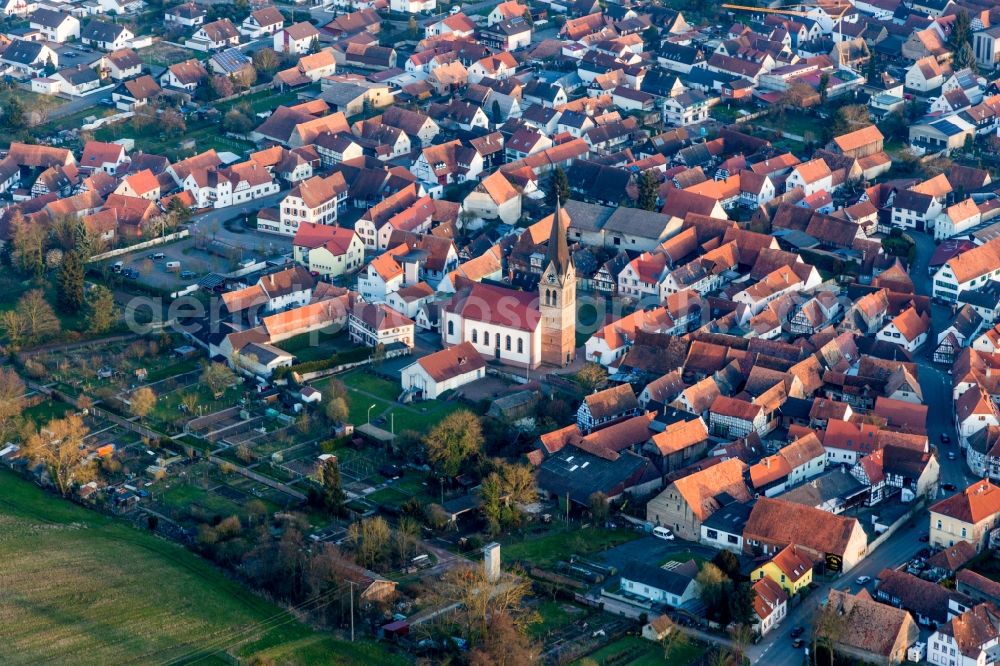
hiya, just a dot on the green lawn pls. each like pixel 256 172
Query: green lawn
pixel 46 410
pixel 316 345
pixel 558 545
pixel 364 380
pixel 266 100
pixel 554 615
pixel 684 556
pixel 365 389
pixel 205 135
pixel 80 587
pixel 636 651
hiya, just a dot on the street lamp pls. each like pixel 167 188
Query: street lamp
pixel 370 414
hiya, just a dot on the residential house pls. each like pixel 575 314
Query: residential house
pixel 870 632
pixel 966 516
pixel 790 567
pixel 687 502
pixel 445 370
pixel 838 542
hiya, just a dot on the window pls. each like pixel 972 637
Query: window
pixel 520 345
pixel 963 533
pixel 508 343
pixel 939 524
pixel 486 338
pixel 475 337
pixel 451 328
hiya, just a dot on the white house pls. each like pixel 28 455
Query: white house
pixel 56 26
pixel 908 329
pixel 297 39
pixel 969 270
pixel 444 370
pixel 106 36
pixel 264 21
pixel 770 605
pixel 378 324
pixel 673 584
pixel 412 6
pixel 970 639
pixel 494 198
pixel 329 251
pixel 313 200
pixel 812 176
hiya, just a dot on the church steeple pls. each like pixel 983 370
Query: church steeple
pixel 557 252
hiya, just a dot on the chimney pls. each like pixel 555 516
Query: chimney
pixel 491 560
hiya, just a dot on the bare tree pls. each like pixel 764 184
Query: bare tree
pixel 481 599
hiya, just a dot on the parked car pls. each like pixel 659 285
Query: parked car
pixel 949 487
pixel 863 580
pixel 663 533
pixel 945 438
pixel 187 275
pixel 157 256
pixel 798 631
pixel 797 643
pixel 924 538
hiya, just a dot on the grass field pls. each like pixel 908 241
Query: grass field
pixel 636 651
pixel 79 587
pixel 366 389
pixel 559 544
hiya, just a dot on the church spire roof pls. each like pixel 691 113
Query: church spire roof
pixel 557 252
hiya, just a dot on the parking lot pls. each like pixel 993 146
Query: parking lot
pixel 198 255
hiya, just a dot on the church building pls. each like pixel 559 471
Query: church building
pixel 520 328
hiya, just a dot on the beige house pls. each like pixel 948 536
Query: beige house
pixel 839 542
pixel 966 516
pixel 688 501
pixel 494 198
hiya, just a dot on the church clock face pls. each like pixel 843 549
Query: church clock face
pixel 552 278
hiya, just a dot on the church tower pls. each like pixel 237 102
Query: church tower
pixel 557 296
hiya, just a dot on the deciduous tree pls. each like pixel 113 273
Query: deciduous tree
pixel 336 409
pixel 218 378
pixel 370 537
pixel 11 401
pixel 458 437
pixel 266 60
pixel 59 448
pixel 142 402
pixel 102 309
pixel 40 320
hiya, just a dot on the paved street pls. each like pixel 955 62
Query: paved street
pixel 79 104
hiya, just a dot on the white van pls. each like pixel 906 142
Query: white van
pixel 117 266
pixel 173 265
pixel 663 533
